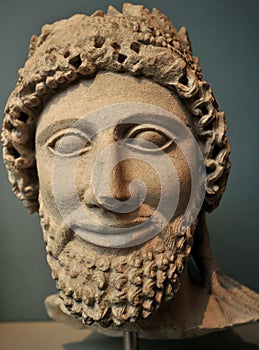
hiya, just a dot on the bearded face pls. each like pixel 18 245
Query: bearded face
pixel 118 196
pixel 116 286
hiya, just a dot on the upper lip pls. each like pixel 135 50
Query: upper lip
pixel 95 226
pixel 95 218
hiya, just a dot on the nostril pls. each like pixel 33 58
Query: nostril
pixel 102 203
pixel 119 205
pixel 123 199
pixel 109 203
pixel 92 205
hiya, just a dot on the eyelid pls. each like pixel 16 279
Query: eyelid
pixel 146 127
pixel 57 127
pixel 67 132
pixel 151 128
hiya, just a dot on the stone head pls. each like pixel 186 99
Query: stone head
pixel 110 118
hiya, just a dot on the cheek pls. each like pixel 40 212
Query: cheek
pixel 185 182
pixel 82 175
pixel 57 185
pixel 135 169
pixel 45 174
pixel 185 185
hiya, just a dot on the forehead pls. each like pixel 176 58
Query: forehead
pixel 104 90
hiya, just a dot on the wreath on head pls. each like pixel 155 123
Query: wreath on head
pixel 136 41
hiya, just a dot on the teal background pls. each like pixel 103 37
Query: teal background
pixel 224 35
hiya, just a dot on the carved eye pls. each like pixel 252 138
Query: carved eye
pixel 69 143
pixel 150 138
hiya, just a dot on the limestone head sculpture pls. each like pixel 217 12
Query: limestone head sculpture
pixel 114 137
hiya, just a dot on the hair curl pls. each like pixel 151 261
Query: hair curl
pixel 136 41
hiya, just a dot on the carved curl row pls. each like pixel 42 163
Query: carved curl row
pixel 135 41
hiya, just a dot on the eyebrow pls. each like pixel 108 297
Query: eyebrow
pixel 80 124
pixel 151 119
pixel 91 129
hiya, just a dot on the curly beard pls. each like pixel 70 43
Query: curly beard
pixel 115 286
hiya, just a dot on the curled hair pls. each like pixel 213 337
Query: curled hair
pixel 136 41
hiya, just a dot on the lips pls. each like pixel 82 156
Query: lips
pixel 113 231
pixel 108 228
pixel 117 236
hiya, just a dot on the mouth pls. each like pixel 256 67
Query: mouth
pixel 113 231
pixel 117 235
pixel 99 226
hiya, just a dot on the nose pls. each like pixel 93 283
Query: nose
pixel 110 187
pixel 118 198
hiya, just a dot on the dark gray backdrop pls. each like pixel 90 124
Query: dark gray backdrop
pixel 224 34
